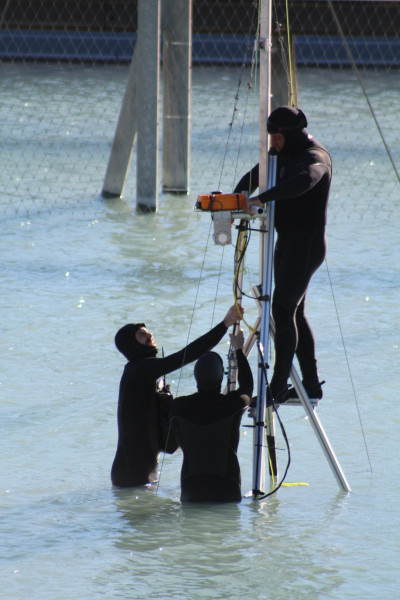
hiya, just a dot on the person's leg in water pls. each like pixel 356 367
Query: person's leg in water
pixel 295 260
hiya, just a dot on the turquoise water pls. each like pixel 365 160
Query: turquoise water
pixel 72 275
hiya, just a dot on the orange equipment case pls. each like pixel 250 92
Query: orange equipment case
pixel 218 201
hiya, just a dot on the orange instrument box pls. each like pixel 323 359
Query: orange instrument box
pixel 217 201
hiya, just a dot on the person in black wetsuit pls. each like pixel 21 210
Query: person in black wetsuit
pixel 140 437
pixel 304 171
pixel 207 426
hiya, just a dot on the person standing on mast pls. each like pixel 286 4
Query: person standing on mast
pixel 304 172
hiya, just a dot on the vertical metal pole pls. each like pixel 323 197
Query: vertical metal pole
pixel 177 48
pixel 125 135
pixel 266 242
pixel 148 95
pixel 266 311
pixel 264 423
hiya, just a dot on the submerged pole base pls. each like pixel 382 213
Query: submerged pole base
pixel 175 191
pixel 110 195
pixel 254 494
pixel 142 209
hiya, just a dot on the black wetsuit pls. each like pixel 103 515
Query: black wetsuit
pixel 139 439
pixel 301 192
pixel 207 425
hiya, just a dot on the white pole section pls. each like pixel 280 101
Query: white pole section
pixel 124 138
pixel 177 57
pixel 148 94
pixel 265 242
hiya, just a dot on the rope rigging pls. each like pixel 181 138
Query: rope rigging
pixel 364 91
pixel 348 366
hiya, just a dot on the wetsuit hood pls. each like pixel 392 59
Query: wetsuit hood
pixel 291 123
pixel 209 371
pixel 127 344
pixel 286 118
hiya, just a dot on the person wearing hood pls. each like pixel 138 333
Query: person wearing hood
pixel 140 436
pixel 304 171
pixel 207 426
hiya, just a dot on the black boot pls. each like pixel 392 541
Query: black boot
pixel 279 397
pixel 313 389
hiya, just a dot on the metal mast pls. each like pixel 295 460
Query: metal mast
pixel 264 416
pixel 266 244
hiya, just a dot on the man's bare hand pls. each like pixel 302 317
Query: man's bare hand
pixel 237 339
pixel 233 315
pixel 250 202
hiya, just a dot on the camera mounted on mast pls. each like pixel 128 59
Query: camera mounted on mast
pixel 225 208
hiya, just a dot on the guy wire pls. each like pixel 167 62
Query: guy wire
pixel 348 364
pixel 250 86
pixel 364 91
pixel 217 286
pixel 187 342
pixel 195 301
pixel 219 183
pixel 243 65
pixel 235 109
pixel 209 230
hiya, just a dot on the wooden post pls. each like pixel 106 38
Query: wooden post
pixel 177 45
pixel 124 138
pixel 139 115
pixel 148 94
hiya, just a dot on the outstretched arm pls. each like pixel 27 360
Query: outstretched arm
pixel 160 366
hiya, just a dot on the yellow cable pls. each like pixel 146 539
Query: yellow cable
pixel 240 246
pixel 294 484
pixel 292 102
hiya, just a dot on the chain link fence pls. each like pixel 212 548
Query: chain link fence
pixel 64 68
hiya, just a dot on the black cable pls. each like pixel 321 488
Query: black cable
pixel 280 424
